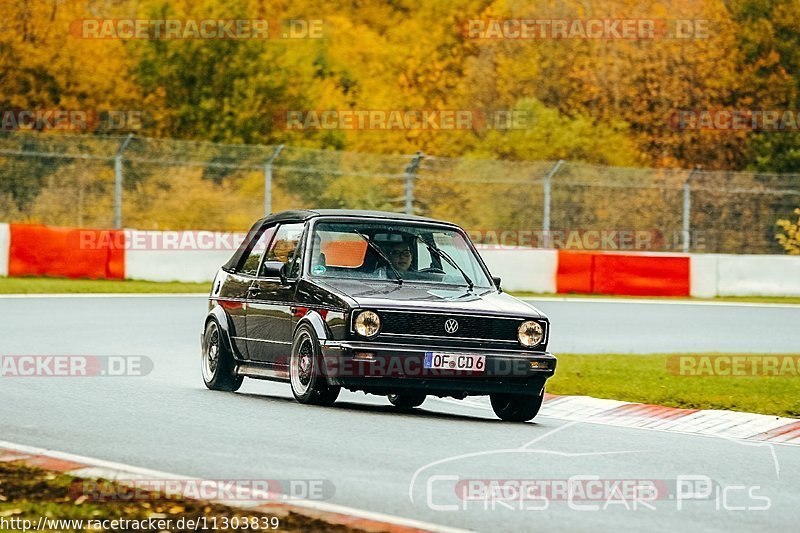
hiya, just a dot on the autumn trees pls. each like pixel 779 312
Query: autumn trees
pixel 411 55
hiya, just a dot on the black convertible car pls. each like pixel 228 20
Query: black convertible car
pixel 383 303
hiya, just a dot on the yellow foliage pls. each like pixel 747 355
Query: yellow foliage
pixel 54 68
pixel 78 194
pixel 790 239
pixel 179 198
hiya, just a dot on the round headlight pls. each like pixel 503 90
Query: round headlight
pixel 530 333
pixel 368 324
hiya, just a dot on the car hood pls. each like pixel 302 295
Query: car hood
pixel 427 297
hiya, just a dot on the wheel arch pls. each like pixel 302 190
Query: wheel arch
pixel 219 314
pixel 314 319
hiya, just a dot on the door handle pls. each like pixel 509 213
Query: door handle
pixel 253 290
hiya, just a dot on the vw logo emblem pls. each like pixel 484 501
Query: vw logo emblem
pixel 451 325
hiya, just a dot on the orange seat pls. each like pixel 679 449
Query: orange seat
pixel 346 254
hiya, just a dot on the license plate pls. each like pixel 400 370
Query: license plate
pixel 455 361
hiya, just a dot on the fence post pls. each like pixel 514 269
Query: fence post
pixel 546 220
pixel 687 210
pixel 411 171
pixel 118 182
pixel 268 180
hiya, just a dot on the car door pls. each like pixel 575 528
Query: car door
pixel 235 291
pixel 271 299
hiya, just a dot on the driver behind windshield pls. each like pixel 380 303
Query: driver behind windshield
pixel 400 254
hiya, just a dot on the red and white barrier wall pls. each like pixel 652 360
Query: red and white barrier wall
pixel 638 274
pixel 746 275
pixel 561 271
pixel 523 269
pixel 36 250
pixel 199 254
pixel 5 239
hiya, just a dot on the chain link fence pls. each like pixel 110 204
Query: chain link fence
pixel 146 183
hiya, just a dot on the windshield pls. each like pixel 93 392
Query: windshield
pixel 398 251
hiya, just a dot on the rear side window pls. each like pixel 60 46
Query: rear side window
pixel 253 259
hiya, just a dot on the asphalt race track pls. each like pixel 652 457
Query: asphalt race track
pixel 379 460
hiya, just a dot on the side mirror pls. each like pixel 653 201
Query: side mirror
pixel 496 281
pixel 274 269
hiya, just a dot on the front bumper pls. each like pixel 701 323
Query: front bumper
pixel 393 368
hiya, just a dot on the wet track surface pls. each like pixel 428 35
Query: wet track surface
pixel 402 464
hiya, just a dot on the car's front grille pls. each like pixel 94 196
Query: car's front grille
pixel 433 325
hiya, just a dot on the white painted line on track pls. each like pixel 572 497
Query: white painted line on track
pixel 649 301
pixel 121 471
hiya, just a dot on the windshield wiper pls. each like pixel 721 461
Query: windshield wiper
pixel 444 255
pixel 380 253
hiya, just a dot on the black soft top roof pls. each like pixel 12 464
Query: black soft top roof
pixel 305 214
pixel 300 215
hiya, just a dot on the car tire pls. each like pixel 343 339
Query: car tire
pixel 407 400
pixel 217 364
pixel 306 371
pixel 516 407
